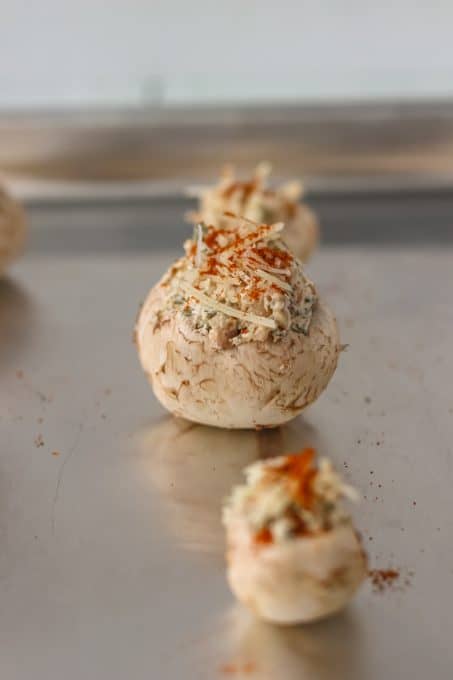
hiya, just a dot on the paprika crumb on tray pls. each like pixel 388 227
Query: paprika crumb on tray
pixel 246 668
pixel 391 579
pixel 383 579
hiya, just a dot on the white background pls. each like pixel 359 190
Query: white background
pixel 126 52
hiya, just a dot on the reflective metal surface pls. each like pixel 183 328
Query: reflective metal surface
pixel 112 550
pixel 362 146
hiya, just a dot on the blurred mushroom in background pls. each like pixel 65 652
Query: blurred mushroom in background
pixel 12 229
pixel 254 200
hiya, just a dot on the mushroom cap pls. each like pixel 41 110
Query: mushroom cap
pixel 252 385
pixel 12 229
pixel 298 580
pixel 254 200
pixel 301 233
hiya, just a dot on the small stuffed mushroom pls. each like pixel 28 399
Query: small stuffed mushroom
pixel 234 335
pixel 254 200
pixel 12 230
pixel 293 554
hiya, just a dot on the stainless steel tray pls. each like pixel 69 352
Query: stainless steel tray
pixel 350 147
pixel 112 550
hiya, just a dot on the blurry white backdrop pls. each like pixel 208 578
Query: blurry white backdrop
pixel 82 53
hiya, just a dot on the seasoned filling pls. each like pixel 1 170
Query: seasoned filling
pixel 290 497
pixel 251 199
pixel 238 285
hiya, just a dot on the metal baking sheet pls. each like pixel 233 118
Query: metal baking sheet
pixel 112 550
pixel 336 147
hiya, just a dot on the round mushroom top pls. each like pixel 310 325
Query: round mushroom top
pixel 12 229
pixel 252 198
pixel 238 285
pixel 289 497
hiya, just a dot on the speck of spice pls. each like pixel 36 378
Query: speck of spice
pixel 228 668
pixel 39 441
pixel 238 669
pixel 414 502
pixel 378 443
pixel 383 579
pixel 46 399
pixel 367 400
pixel 249 667
pixel 55 453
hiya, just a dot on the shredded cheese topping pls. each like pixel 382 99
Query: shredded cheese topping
pixel 290 497
pixel 229 311
pixel 199 245
pixel 273 279
pixel 239 285
pixel 251 199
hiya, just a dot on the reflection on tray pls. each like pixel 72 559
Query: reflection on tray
pixel 194 467
pixel 16 321
pixel 246 647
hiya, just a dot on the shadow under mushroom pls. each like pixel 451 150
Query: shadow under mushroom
pixel 17 318
pixel 331 648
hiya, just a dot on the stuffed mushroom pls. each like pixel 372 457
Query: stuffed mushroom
pixel 293 553
pixel 12 229
pixel 254 200
pixel 234 335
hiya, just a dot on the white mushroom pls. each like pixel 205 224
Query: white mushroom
pixel 12 229
pixel 237 338
pixel 293 553
pixel 254 200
